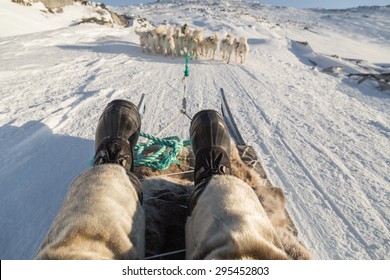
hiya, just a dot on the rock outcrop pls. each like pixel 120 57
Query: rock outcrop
pixel 106 17
pixel 54 4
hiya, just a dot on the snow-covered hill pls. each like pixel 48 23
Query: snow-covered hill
pixel 321 136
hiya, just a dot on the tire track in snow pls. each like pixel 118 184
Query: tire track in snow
pixel 337 162
pixel 299 163
pixel 315 233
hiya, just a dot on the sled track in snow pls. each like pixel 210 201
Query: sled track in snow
pixel 299 164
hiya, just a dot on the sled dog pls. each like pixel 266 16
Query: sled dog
pixel 226 47
pixel 241 49
pixel 168 42
pixel 195 43
pixel 210 45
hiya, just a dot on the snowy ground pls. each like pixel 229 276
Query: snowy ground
pixel 323 138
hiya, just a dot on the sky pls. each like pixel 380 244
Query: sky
pixel 329 4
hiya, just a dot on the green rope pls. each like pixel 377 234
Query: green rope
pixel 187 69
pixel 164 157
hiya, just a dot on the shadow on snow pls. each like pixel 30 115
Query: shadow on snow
pixel 38 167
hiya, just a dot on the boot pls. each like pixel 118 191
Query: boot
pixel 211 146
pixel 116 135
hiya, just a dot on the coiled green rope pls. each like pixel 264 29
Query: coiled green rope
pixel 164 157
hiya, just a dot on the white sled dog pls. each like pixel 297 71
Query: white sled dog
pixel 168 42
pixel 211 45
pixel 159 36
pixel 147 40
pixel 178 39
pixel 143 38
pixel 195 43
pixel 226 47
pixel 241 49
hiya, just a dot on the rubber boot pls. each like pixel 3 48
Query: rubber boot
pixel 211 146
pixel 116 135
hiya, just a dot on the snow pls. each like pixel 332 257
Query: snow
pixel 18 19
pixel 322 137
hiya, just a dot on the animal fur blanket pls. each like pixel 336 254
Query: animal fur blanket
pixel 166 198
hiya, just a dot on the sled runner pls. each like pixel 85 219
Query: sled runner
pixel 166 194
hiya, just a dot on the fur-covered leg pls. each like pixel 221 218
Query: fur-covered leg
pixel 101 218
pixel 229 222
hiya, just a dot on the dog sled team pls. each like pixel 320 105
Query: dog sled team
pixel 168 40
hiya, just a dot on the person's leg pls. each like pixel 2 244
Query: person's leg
pixel 226 219
pixel 102 216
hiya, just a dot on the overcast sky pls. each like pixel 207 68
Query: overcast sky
pixel 330 4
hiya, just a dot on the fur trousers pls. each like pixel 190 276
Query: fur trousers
pixel 102 218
